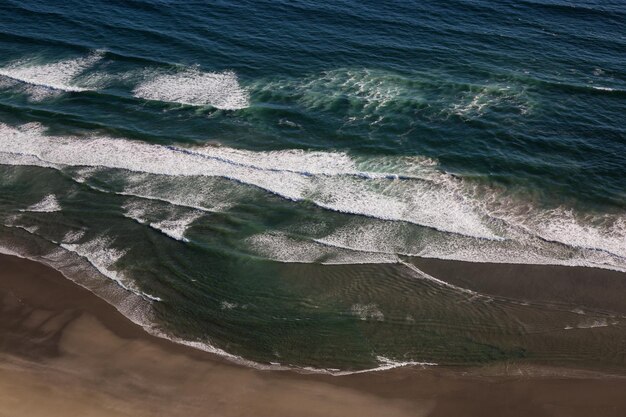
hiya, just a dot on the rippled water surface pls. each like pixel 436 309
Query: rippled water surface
pixel 257 178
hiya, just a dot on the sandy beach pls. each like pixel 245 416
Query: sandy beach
pixel 66 352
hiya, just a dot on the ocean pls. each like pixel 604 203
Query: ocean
pixel 258 178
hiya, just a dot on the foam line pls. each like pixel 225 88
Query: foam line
pixel 442 283
pixel 102 256
pixel 283 248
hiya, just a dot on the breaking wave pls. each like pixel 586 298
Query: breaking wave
pixel 395 198
pixel 330 180
pixel 190 86
pixel 48 205
pixel 58 75
pixel 193 87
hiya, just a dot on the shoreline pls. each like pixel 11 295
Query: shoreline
pixel 63 344
pixel 595 288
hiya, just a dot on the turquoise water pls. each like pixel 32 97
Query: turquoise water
pixel 255 175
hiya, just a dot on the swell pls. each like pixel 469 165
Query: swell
pixel 41 114
pixel 576 10
pixel 565 87
pixel 89 26
pixel 108 52
pixel 398 91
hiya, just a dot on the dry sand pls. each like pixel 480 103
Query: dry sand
pixel 65 352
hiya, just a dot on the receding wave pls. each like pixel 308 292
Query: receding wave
pixel 102 256
pixel 78 261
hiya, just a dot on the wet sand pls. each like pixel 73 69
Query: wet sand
pixel 65 352
pixel 586 288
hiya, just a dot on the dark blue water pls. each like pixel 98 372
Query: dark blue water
pixel 256 173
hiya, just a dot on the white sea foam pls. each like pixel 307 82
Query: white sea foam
pixel 474 103
pixel 73 236
pixel 597 87
pixel 37 93
pixel 174 225
pixel 193 87
pixel 590 324
pixel 406 189
pixel 368 93
pixel 176 228
pixel 367 312
pixel 48 205
pixel 102 256
pixel 157 189
pixel 175 201
pixel 595 232
pixel 201 194
pixel 10 252
pixel 523 248
pixel 563 226
pixel 30 229
pixel 8 158
pixel 433 204
pixel 438 281
pixel 382 237
pixel 384 363
pixel 376 97
pixel 372 89
pixel 136 212
pixel 283 248
pixel 56 75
